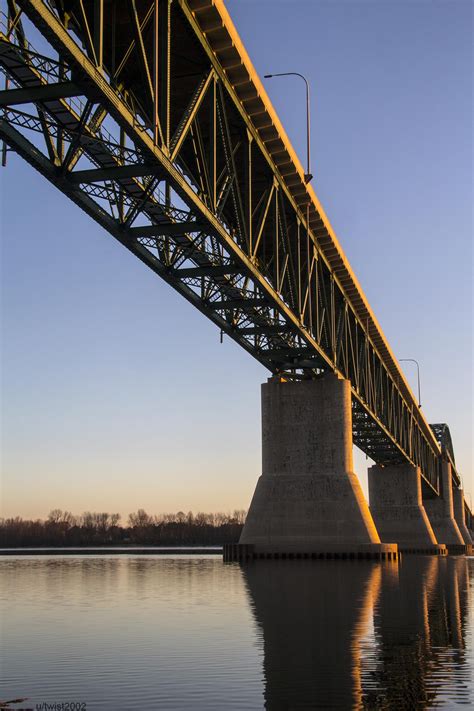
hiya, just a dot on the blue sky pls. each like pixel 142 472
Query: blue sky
pixel 118 395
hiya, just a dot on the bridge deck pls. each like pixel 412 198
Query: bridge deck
pixel 216 25
pixel 172 145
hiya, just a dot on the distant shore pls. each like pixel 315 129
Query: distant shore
pixel 101 531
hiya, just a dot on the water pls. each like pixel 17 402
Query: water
pixel 151 632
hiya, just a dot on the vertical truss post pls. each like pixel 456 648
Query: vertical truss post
pixel 60 133
pixel 248 189
pixel 4 145
pixel 6 86
pixel 298 246
pixel 113 38
pixel 121 202
pixel 213 145
pixel 276 232
pixel 317 305
pixel 308 276
pixel 164 42
pixel 155 74
pixel 99 31
pixel 333 324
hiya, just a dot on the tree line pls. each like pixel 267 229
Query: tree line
pixel 62 528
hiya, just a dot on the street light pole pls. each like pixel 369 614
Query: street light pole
pixel 308 176
pixel 412 360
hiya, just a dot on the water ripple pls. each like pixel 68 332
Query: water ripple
pixel 191 633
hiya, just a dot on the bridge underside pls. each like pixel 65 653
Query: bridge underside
pixel 150 117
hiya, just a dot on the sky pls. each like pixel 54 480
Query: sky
pixel 118 395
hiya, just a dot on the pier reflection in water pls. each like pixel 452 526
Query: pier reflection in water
pixel 151 632
pixel 420 624
pixel 390 636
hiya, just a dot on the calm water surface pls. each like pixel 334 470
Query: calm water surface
pixel 138 632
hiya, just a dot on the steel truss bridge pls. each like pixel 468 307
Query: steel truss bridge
pixel 149 115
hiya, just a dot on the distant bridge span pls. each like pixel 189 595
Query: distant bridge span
pixel 150 116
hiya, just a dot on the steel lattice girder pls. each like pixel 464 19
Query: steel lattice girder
pixel 160 151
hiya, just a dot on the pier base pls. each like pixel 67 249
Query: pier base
pixel 397 509
pixel 243 552
pixel 460 517
pixel 440 512
pixel 308 501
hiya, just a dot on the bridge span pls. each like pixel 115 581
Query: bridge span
pixel 150 116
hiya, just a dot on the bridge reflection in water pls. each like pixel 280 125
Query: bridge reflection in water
pixel 366 636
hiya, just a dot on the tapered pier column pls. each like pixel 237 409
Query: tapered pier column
pixel 441 513
pixel 308 501
pixel 397 509
pixel 460 515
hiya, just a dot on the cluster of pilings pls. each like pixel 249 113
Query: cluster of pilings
pixel 308 502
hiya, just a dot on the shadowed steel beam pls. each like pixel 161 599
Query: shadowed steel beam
pixel 310 364
pixel 263 329
pixel 172 228
pixel 117 173
pixel 205 271
pixel 237 303
pixel 30 95
pixel 284 353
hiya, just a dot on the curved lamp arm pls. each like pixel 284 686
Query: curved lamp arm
pixel 308 175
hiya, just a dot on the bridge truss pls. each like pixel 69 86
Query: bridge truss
pixel 150 117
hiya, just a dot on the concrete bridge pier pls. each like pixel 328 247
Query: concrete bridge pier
pixel 308 503
pixel 397 509
pixel 460 516
pixel 440 512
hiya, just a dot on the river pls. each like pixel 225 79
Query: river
pixel 189 632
